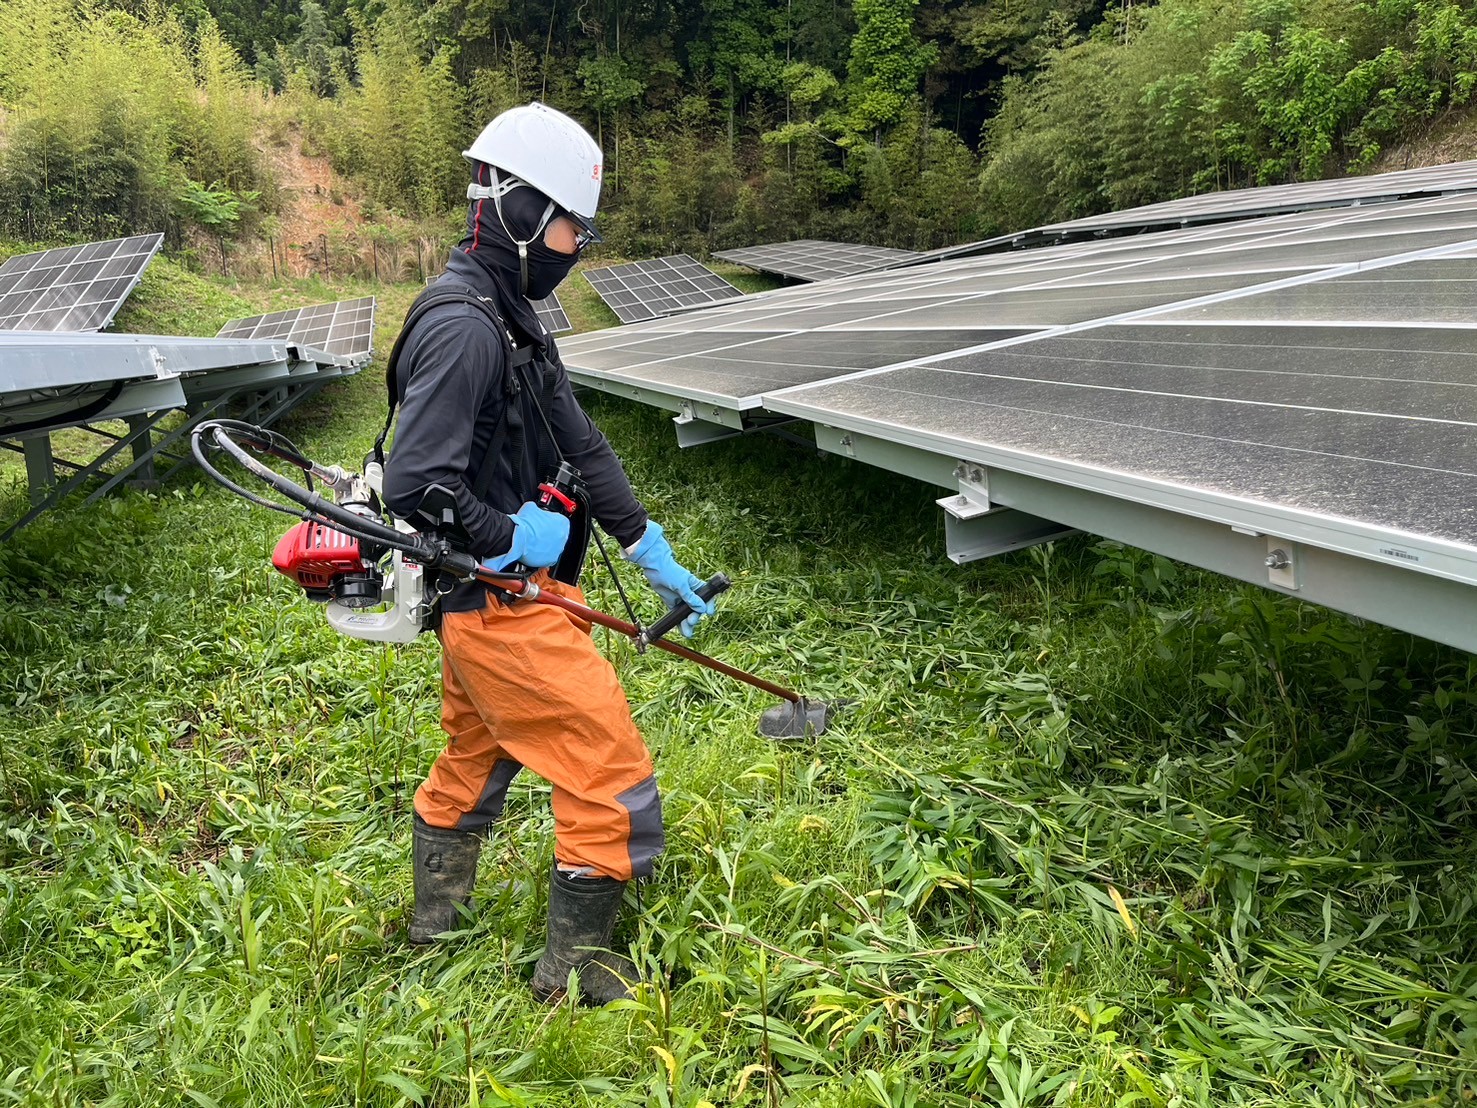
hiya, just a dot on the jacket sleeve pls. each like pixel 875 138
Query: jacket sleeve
pixel 444 376
pixel 612 501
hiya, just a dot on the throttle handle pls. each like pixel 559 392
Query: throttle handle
pixel 716 584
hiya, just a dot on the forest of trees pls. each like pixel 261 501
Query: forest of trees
pixel 911 123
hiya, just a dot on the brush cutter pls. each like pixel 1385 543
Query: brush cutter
pixel 371 575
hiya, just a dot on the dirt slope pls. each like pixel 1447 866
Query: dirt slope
pixel 321 228
pixel 1449 138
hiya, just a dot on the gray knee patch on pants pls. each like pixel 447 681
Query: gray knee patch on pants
pixel 494 794
pixel 643 804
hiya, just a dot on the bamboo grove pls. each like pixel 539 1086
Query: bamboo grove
pixel 911 123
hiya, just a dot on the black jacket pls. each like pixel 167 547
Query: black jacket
pixel 451 381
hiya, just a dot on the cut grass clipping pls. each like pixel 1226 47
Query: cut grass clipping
pixel 1099 829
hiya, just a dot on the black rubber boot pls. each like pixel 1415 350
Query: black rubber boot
pixel 582 913
pixel 445 866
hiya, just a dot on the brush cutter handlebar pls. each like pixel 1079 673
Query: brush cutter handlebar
pixel 712 587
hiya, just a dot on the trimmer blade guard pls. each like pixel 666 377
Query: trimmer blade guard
pixel 795 719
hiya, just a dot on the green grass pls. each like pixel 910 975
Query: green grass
pixel 586 311
pixel 171 299
pixel 743 278
pixel 1097 829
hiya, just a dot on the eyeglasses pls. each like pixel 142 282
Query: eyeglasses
pixel 583 235
pixel 563 225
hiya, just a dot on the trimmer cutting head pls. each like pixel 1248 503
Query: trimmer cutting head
pixel 795 719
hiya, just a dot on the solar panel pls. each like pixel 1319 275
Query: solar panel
pixel 345 327
pixel 815 259
pixel 1311 432
pixel 1289 399
pixel 732 355
pixel 1229 204
pixel 1300 196
pixel 646 290
pixel 757 362
pixel 1435 290
pixel 52 381
pixel 1363 423
pixel 72 288
pixel 552 315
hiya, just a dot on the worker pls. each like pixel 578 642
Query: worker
pixel 481 391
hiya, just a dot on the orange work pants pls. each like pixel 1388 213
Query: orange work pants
pixel 524 685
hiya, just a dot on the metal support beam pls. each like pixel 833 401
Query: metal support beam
pixel 140 434
pixel 40 466
pixel 710 411
pixel 139 427
pixel 780 431
pixel 254 405
pixel 631 391
pixel 697 410
pixel 287 399
pixel 60 492
pixel 159 376
pixel 1390 593
pixel 692 431
pixel 695 431
pixel 168 439
pixel 975 528
pixel 934 469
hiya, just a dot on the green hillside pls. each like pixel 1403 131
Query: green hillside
pixel 908 123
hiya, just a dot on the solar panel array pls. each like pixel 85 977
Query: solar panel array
pixel 815 259
pixel 646 290
pixel 344 327
pixel 1231 204
pixel 552 315
pixel 735 353
pixel 1311 374
pixel 72 288
pixel 51 381
pixel 1272 199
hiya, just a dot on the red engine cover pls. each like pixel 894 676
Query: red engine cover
pixel 313 555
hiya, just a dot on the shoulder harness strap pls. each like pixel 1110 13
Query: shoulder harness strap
pixel 435 296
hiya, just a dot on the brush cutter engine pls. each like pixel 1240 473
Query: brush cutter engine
pixel 369 591
pixel 329 566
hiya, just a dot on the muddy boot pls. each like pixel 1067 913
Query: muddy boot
pixel 582 913
pixel 445 866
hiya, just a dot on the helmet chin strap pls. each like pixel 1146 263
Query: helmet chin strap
pixel 495 192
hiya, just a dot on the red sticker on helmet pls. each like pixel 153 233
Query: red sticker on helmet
pixel 595 173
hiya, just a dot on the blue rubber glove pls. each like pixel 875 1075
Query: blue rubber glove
pixel 538 539
pixel 672 583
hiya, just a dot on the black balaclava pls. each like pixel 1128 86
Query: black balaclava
pixel 494 230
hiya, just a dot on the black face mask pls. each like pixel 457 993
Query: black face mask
pixel 493 237
pixel 547 267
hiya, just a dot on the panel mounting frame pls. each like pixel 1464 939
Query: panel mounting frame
pixel 1386 592
pixel 695 430
pixel 974 528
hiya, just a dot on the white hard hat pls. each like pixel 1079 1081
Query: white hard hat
pixel 548 150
